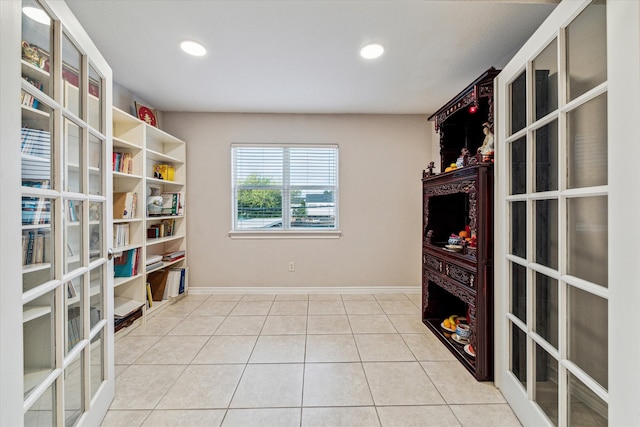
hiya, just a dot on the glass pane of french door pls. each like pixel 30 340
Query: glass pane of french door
pixel 556 206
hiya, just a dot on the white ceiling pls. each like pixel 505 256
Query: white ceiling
pixel 302 56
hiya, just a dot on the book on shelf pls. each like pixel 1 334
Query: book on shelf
pixel 122 307
pixel 164 228
pixel 124 205
pixel 121 235
pixel 173 203
pixel 122 162
pixel 35 142
pixel 153 259
pixel 33 247
pixel 94 316
pixel 176 282
pixel 153 266
pixel 36 210
pixel 158 281
pixel 74 327
pixel 170 203
pixel 173 256
pixel 72 214
pixel 126 265
pixel 71 290
pixel 149 296
pixel 165 172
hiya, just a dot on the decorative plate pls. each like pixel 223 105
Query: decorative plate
pixel 459 340
pixel 146 114
pixel 447 329
pixel 466 350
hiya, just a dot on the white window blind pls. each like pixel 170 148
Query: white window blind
pixel 284 187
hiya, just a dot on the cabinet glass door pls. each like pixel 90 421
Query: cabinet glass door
pixel 64 222
pixel 555 260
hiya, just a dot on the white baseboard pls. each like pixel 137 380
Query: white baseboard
pixel 211 290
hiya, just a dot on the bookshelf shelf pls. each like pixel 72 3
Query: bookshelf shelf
pixel 160 157
pixel 157 305
pixel 122 143
pixel 122 175
pixel 159 240
pixel 119 281
pixel 33 378
pixel 164 182
pixel 33 312
pixel 32 268
pixel 148 147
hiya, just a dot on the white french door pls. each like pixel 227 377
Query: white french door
pixel 56 309
pixel 557 283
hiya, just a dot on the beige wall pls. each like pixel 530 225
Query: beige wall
pixel 381 162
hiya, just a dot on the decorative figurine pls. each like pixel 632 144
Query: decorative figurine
pixel 487 147
pixel 31 54
pixel 463 160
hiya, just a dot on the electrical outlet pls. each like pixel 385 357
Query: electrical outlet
pixel 292 266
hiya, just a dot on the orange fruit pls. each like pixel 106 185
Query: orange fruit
pixel 463 234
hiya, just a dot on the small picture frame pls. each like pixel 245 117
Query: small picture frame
pixel 147 114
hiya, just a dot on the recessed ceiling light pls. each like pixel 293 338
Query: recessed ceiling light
pixel 37 15
pixel 193 48
pixel 371 51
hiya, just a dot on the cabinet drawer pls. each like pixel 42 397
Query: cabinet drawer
pixel 432 263
pixel 461 275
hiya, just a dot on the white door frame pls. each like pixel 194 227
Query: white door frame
pixel 623 75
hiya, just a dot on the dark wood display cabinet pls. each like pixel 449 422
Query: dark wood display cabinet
pixel 458 279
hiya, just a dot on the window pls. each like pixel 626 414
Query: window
pixel 285 187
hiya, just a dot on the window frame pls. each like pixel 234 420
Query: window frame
pixel 286 231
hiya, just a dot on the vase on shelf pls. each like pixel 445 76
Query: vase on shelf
pixel 154 202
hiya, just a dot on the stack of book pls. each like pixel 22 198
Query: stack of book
pixel 153 262
pixel 126 265
pixel 164 228
pixel 173 256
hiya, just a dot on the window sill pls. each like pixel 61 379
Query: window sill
pixel 293 234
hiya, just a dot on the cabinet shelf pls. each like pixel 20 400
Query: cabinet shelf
pixel 456 348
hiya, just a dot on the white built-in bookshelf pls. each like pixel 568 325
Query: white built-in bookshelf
pixel 138 151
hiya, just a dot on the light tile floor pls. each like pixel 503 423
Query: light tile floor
pixel 355 360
